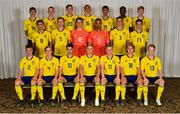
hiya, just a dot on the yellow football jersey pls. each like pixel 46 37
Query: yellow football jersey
pixel 139 40
pixel 109 64
pixel 70 22
pixel 119 38
pixel 29 66
pixel 88 22
pixel 145 25
pixel 41 40
pixel 49 66
pixel 130 65
pixel 151 67
pixel 89 65
pixel 70 65
pixel 50 24
pixel 61 39
pixel 30 26
pixel 127 22
pixel 107 24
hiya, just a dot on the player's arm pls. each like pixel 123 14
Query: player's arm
pixel 41 70
pixel 19 73
pixel 122 72
pixel 81 68
pixel 117 71
pixel 25 28
pixel 98 71
pixel 139 72
pixel 102 70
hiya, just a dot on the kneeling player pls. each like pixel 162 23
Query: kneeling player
pixel 151 66
pixel 69 72
pixel 89 72
pixel 130 73
pixel 109 71
pixel 28 67
pixel 48 74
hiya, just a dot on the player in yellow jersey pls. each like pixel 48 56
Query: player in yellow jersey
pixel 119 38
pixel 88 18
pixel 70 18
pixel 145 21
pixel 30 24
pixel 49 66
pixel 60 38
pixel 140 39
pixel 69 72
pixel 109 71
pixel 152 73
pixel 41 39
pixel 27 74
pixel 130 73
pixel 50 21
pixel 89 72
pixel 107 21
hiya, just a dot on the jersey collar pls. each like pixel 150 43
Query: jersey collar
pixel 49 59
pixel 30 58
pixel 151 59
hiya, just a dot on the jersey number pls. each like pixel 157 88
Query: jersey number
pixel 29 67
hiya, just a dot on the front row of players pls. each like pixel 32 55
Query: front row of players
pixel 89 68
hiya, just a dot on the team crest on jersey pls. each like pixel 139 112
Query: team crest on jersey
pixel 94 60
pixel 45 36
pixel 73 61
pixel 124 33
pixel 56 34
pixel 156 62
pixel 33 62
pixel 113 61
pixel 64 34
pixel 143 35
pixel 134 60
pixel 52 64
pixel 127 20
pixel 92 20
pixel 115 33
pixel 147 63
pixel 84 60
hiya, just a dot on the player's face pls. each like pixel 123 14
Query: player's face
pixel 32 13
pixel 40 26
pixel 87 9
pixel 60 23
pixel 105 11
pixel 119 22
pixel 69 10
pixel 51 11
pixel 109 50
pixel 89 50
pixel 140 12
pixel 48 52
pixel 130 50
pixel 151 51
pixel 122 11
pixel 98 24
pixel 79 23
pixel 29 51
pixel 69 50
pixel 139 25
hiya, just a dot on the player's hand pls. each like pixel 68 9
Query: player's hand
pixel 117 80
pixel 103 81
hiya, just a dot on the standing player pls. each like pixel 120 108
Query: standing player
pixel 30 24
pixel 89 72
pixel 50 21
pixel 98 38
pixel 145 21
pixel 48 74
pixel 130 73
pixel 140 39
pixel 69 18
pixel 69 72
pixel 119 38
pixel 109 71
pixel 151 68
pixel 107 21
pixel 88 18
pixel 29 68
pixel 60 38
pixel 79 38
pixel 41 39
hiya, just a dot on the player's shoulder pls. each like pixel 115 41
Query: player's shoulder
pixel 55 59
pixel 35 58
pixel 115 57
pixel 95 56
pixel 144 59
pixel 157 58
pixel 103 57
pixel 42 59
pixel 76 57
pixel 47 32
pixel 136 57
pixel 23 59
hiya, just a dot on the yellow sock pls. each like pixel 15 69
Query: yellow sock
pixel 76 91
pixel 40 91
pixel 61 90
pixel 97 90
pixel 103 91
pixel 117 91
pixel 159 92
pixel 139 92
pixel 33 91
pixel 123 92
pixel 145 92
pixel 19 92
pixel 54 91
pixel 82 91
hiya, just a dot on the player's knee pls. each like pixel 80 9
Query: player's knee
pixel 146 82
pixel 97 80
pixel 82 80
pixel 139 82
pixel 161 83
pixel 17 83
pixel 123 82
pixel 33 82
pixel 103 81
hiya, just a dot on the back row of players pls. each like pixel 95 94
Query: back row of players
pixel 98 62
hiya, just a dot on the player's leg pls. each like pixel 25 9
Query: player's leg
pixel 123 90
pixel 61 89
pixel 54 90
pixel 117 83
pixel 40 90
pixel 139 82
pixel 160 83
pixel 97 90
pixel 33 91
pixel 82 90
pixel 145 90
pixel 103 90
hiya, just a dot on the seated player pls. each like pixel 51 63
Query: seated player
pixel 48 74
pixel 79 38
pixel 109 71
pixel 151 68
pixel 28 69
pixel 88 18
pixel 41 39
pixel 89 72
pixel 69 72
pixel 60 38
pixel 130 73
